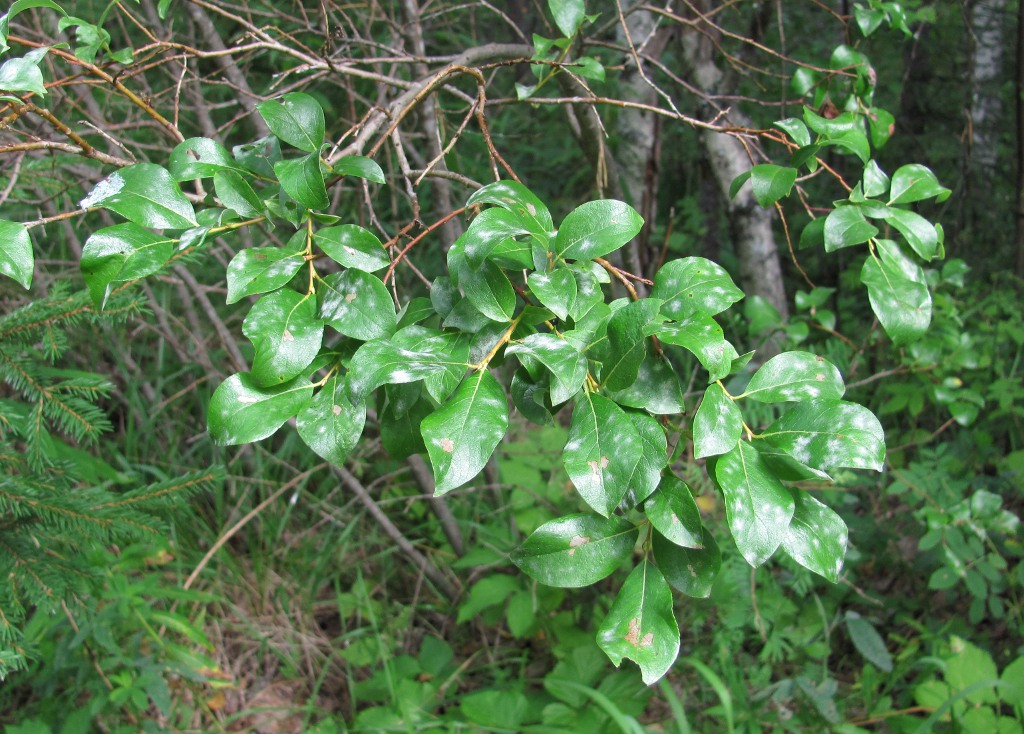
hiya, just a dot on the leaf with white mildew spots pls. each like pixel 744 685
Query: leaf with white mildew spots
pixel 817 537
pixel 627 343
pixel 358 305
pixel 261 269
pixel 717 424
pixel 330 424
pixel 519 201
pixel 555 290
pixel 596 228
pixel 146 194
pixel 602 452
pixel 641 624
pixel 694 285
pixel 286 333
pixel 657 389
pixel 654 458
pixel 576 550
pixel 824 434
pixel 795 376
pixel 567 365
pixel 898 291
pixel 700 335
pixel 382 362
pixel 122 253
pixel 690 570
pixel 242 412
pixel 463 433
pixel 353 246
pixel 673 511
pixel 757 505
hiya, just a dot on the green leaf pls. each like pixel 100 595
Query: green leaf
pixel 898 292
pixel 298 119
pixel 824 434
pixel 286 333
pixel 242 412
pixel 358 305
pixel 330 424
pixel 757 505
pixel 200 158
pixel 673 512
pixel 694 285
pixel 353 246
pixel 302 180
pixel 16 259
pixel 920 234
pixel 1012 690
pixel 565 362
pixel 146 194
pixel 359 167
pixel 596 228
pixel 627 343
pixel 261 269
pixel 845 131
pixel 847 226
pixel 657 389
pixel 530 397
pixel 520 201
pixel 817 537
pixel 737 183
pixel 868 19
pixel 602 452
pixel 641 624
pixel 690 570
pixel 555 290
pixel 461 436
pixel 876 183
pixel 121 253
pixel 868 642
pixel 915 182
pixel 717 425
pixel 17 7
pixel 795 376
pixel 589 68
pixel 971 666
pixel 576 550
pixel 236 193
pixel 568 15
pixel 22 75
pixel 882 125
pixel 701 335
pixel 489 290
pixel 796 129
pixel 771 183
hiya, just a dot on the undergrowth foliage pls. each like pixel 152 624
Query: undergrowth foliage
pixel 526 311
pixel 50 511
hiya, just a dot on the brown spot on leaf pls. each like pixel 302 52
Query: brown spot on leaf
pixel 336 410
pixel 350 297
pixel 447 445
pixel 576 542
pixel 633 636
pixel 287 336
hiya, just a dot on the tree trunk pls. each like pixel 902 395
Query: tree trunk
pixel 750 225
